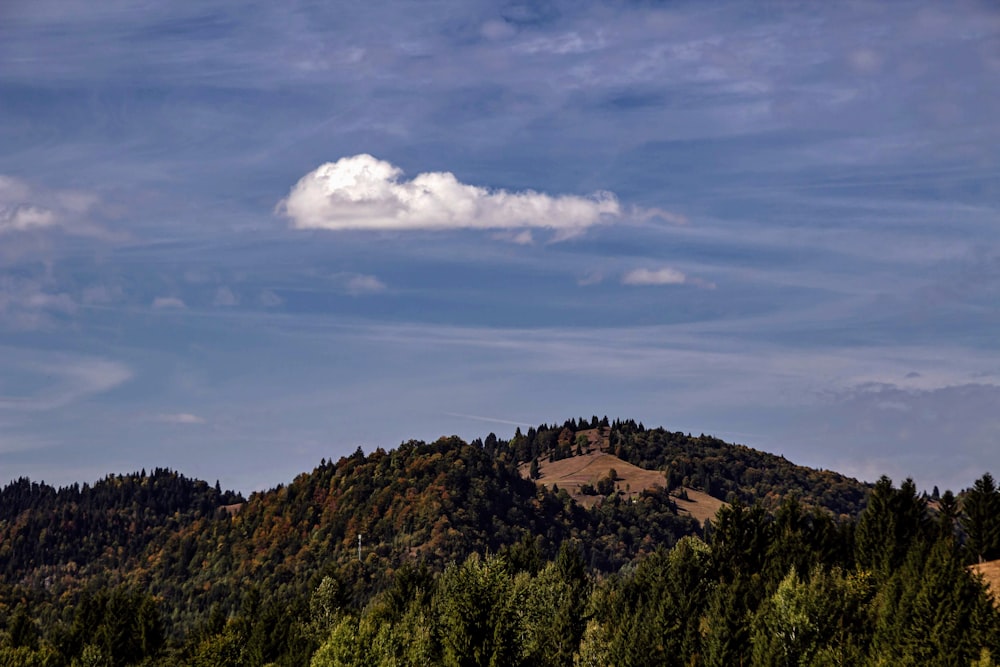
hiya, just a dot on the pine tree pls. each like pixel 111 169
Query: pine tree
pixel 947 513
pixel 478 614
pixel 22 629
pixel 727 639
pixel 981 519
pixel 893 522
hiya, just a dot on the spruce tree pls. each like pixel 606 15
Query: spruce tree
pixel 981 519
pixel 893 521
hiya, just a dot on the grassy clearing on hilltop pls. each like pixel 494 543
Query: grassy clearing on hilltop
pixel 584 471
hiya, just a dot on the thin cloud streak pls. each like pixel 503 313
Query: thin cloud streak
pixel 492 420
pixel 182 418
pixel 661 276
pixel 63 380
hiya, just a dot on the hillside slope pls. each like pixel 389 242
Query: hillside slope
pixel 201 552
pixel 557 533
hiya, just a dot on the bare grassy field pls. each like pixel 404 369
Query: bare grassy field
pixel 573 472
pixel 990 570
pixel 699 505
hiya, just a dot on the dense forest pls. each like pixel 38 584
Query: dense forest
pixel 464 560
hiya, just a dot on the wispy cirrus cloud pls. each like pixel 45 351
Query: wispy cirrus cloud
pixel 58 380
pixel 364 284
pixel 225 297
pixel 182 418
pixel 270 299
pixel 29 304
pixel 646 277
pixel 363 193
pixel 25 217
pixel 168 303
pixel 661 276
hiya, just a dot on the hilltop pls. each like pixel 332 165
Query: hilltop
pixel 701 464
pixel 586 542
pixel 428 502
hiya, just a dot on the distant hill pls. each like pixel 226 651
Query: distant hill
pixel 202 551
pixel 591 524
pixel 82 531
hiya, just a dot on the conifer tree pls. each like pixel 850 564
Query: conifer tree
pixel 727 636
pixel 947 514
pixel 893 521
pixel 477 609
pixel 981 519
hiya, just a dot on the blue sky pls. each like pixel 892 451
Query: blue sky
pixel 236 238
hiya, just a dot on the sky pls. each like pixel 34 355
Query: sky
pixel 240 237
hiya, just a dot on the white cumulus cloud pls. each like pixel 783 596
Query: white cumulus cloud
pixel 24 217
pixel 663 276
pixel 364 193
pixel 26 209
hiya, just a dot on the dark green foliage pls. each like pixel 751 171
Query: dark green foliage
pixel 727 636
pixel 723 470
pixel 605 486
pixel 477 610
pixel 932 611
pixel 22 630
pixel 823 619
pixel 947 514
pixel 981 519
pixel 121 625
pixel 800 539
pixel 559 621
pixel 893 521
pixel 524 556
pixel 651 615
pixel 741 538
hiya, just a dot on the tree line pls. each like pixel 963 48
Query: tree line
pixel 466 562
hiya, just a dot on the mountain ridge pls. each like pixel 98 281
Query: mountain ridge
pixel 201 551
pixel 144 566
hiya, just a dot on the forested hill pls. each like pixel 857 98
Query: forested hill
pixel 198 565
pixel 98 527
